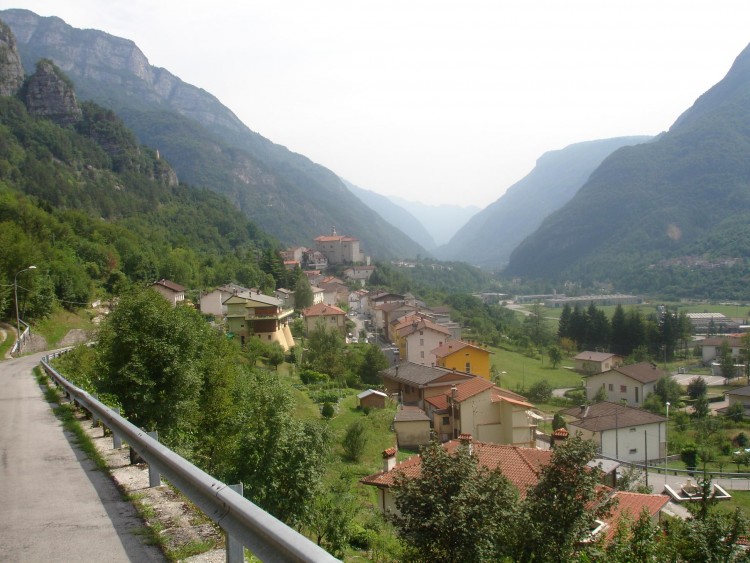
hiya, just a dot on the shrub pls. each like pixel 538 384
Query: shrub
pixel 327 411
pixel 540 392
pixel 354 441
pixel 310 377
pixel 740 440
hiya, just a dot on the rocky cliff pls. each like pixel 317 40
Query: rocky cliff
pixel 11 70
pixel 50 94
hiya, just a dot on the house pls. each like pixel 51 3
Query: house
pixel 523 468
pixel 324 315
pixel 482 409
pixel 172 292
pixel 711 347
pixel 631 383
pixel 463 356
pixel 413 383
pixel 335 290
pixel 359 274
pixel 293 254
pixel 412 427
pixel 741 396
pixel 417 337
pixel 596 362
pixel 339 249
pixel 358 299
pixel 314 260
pixel 286 296
pixel 620 432
pixel 313 276
pixel 631 505
pixel 318 294
pixel 521 465
pixel 259 316
pixel 372 398
pixel 387 315
pixel 381 298
pixel 212 302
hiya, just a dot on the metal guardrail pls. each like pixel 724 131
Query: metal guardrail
pixel 21 338
pixel 266 537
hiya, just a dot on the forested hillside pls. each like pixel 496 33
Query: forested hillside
pixel 286 194
pixel 93 210
pixel 671 216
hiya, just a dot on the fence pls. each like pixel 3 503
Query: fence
pixel 244 523
pixel 16 349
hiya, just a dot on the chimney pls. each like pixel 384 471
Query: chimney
pixel 465 440
pixel 558 436
pixel 389 459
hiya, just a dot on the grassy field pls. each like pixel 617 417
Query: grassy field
pixel 522 372
pixel 56 326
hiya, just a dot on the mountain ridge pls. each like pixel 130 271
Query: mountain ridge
pixel 283 192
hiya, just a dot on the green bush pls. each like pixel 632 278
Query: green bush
pixel 327 411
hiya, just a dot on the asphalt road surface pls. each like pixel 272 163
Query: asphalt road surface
pixel 54 505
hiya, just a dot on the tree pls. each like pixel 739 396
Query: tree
pixel 327 411
pixel 374 362
pixel 726 361
pixel 540 392
pixel 555 356
pixel 701 407
pixel 736 412
pixel 455 510
pixel 278 458
pixel 326 352
pixel 689 456
pixel 558 421
pixel 697 387
pixel 275 355
pixel 355 440
pixel 601 395
pixel 668 390
pixel 151 356
pixel 332 515
pixel 303 296
pixel 557 513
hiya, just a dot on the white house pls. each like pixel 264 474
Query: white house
pixel 630 383
pixel 621 432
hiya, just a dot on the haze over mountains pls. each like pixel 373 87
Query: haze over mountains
pixel 490 236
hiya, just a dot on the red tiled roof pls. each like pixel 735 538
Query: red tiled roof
pixel 521 465
pixel 474 386
pixel 320 309
pixel 440 402
pixel 423 324
pixel 633 504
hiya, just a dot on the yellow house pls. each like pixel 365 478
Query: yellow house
pixel 259 316
pixel 482 409
pixel 463 356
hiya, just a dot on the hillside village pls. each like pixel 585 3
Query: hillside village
pixel 447 388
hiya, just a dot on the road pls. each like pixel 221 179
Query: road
pixel 55 505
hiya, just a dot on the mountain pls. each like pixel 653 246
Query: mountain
pixel 672 215
pixel 395 215
pixel 441 221
pixel 490 236
pixel 94 211
pixel 284 193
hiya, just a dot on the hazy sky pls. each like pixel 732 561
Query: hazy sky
pixel 434 101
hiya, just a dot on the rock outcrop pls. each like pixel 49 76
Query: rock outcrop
pixel 11 69
pixel 50 94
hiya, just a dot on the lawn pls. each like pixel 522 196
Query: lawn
pixel 521 372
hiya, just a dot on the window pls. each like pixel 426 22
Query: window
pixel 446 421
pixel 421 341
pixel 611 387
pixel 633 451
pixel 421 354
pixel 632 429
pixel 636 394
pixel 623 388
pixel 468 367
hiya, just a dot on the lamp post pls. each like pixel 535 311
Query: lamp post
pixel 15 296
pixel 666 444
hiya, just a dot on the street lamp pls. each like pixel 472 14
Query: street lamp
pixel 15 295
pixel 666 444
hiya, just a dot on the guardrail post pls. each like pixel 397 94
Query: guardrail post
pixel 154 478
pixel 94 418
pixel 235 551
pixel 116 440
